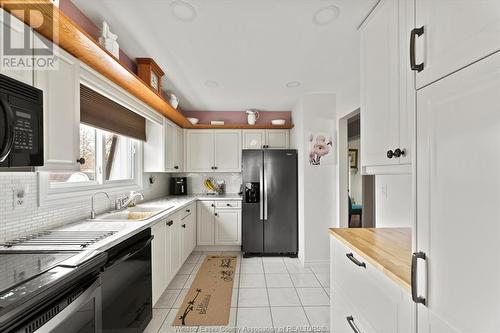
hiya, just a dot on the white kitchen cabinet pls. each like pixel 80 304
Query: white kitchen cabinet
pixel 15 29
pixel 344 315
pixel 205 222
pixel 175 249
pixel 257 139
pixel 277 139
pixel 227 226
pixel 61 97
pixel 164 147
pixel 227 150
pixel 160 261
pixel 188 235
pixel 376 303
pixel 175 147
pixel 199 150
pixel 387 87
pixel 458 140
pixel 456 34
pixel 213 150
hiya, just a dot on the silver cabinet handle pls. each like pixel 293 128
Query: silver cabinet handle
pixel 414 292
pixel 354 260
pixel 350 321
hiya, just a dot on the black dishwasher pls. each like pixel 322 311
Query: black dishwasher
pixel 126 286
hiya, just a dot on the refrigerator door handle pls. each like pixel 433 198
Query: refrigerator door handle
pixel 265 195
pixel 261 190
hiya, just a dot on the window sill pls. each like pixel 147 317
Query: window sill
pixel 48 196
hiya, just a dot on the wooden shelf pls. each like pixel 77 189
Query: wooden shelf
pixel 238 126
pixel 81 45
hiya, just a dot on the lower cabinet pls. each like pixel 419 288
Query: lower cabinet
pixel 364 297
pixel 174 240
pixel 219 222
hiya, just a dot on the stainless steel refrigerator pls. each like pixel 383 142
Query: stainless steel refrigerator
pixel 269 222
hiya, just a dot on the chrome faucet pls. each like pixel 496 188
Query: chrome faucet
pixel 92 212
pixel 124 202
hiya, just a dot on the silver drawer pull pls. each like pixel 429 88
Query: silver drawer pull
pixel 354 260
pixel 350 321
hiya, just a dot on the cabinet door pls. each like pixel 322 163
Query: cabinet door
pixel 199 151
pixel 380 85
pixel 61 90
pixel 173 147
pixel 456 34
pixel 154 150
pixel 458 140
pixel 227 148
pixel 180 149
pixel 17 31
pixel 342 312
pixel 205 222
pixel 175 244
pixel 277 139
pixel 158 259
pixel 227 227
pixel 253 139
pixel 189 235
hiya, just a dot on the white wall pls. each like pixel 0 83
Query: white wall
pixel 315 113
pixel 393 201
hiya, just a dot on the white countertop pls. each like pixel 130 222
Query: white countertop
pixel 127 229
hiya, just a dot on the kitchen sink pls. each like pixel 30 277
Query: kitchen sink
pixel 132 214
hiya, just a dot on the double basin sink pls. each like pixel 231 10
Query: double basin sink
pixel 133 214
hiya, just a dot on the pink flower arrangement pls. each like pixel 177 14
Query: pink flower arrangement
pixel 319 148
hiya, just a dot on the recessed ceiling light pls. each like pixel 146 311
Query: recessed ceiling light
pixel 293 84
pixel 212 84
pixel 183 10
pixel 326 15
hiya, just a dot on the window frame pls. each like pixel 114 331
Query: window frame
pixel 64 192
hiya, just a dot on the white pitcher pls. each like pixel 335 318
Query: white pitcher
pixel 252 116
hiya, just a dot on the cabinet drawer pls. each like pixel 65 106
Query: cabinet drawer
pixel 379 300
pixel 188 210
pixel 230 204
pixel 342 312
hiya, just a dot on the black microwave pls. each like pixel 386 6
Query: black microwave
pixel 21 124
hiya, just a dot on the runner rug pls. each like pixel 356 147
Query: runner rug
pixel 208 301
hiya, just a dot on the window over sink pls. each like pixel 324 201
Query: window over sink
pixel 108 161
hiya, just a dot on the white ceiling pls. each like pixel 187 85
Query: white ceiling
pixel 251 48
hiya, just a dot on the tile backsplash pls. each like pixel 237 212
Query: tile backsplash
pixel 195 181
pixel 15 222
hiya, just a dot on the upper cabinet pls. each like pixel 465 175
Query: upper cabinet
pixel 163 149
pixel 61 96
pixel 213 150
pixel 455 34
pixel 16 31
pixel 273 139
pixel 387 86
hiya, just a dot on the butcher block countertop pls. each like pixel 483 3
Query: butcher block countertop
pixel 388 249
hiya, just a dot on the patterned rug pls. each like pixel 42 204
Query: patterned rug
pixel 208 301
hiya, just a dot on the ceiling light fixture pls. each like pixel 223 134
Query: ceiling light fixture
pixel 212 84
pixel 183 10
pixel 293 84
pixel 326 15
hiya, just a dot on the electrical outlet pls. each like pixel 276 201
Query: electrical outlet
pixel 19 196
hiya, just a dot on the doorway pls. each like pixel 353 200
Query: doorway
pixel 357 206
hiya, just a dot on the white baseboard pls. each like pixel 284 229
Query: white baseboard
pixel 217 248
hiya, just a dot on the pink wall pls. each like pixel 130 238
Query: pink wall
pixel 238 117
pixel 70 10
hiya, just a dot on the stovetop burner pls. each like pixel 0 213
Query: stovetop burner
pixel 56 240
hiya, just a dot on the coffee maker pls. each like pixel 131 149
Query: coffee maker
pixel 178 185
